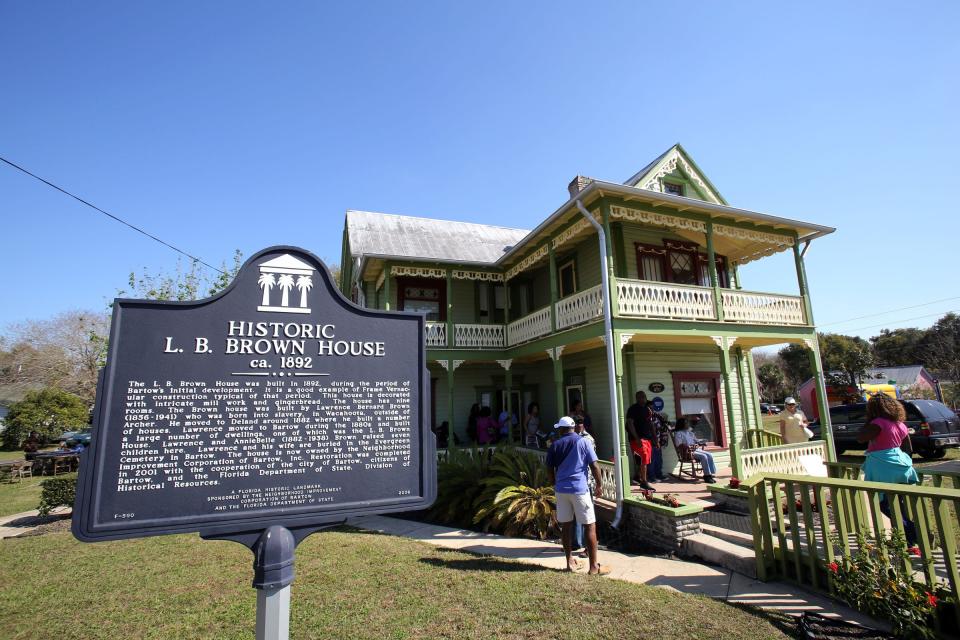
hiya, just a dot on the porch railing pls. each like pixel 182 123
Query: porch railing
pixel 801 525
pixel 761 308
pixel 435 334
pixel 608 480
pixel 528 327
pixel 479 336
pixel 580 307
pixel 758 438
pixel 782 459
pixel 645 299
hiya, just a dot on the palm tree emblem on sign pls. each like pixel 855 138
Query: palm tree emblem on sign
pixel 285 282
pixel 266 283
pixel 304 284
pixel 285 272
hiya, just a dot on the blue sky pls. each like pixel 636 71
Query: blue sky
pixel 235 125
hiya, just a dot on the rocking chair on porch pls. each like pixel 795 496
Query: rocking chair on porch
pixel 685 456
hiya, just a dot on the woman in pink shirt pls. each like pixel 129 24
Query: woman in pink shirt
pixel 885 434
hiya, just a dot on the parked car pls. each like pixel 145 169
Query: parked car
pixel 769 409
pixel 934 428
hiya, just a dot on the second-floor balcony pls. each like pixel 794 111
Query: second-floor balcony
pixel 638 299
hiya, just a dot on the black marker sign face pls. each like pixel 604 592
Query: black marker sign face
pixel 274 402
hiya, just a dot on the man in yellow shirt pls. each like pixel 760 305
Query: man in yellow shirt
pixel 793 423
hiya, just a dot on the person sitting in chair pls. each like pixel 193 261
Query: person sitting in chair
pixel 684 437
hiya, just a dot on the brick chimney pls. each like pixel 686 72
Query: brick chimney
pixel 578 184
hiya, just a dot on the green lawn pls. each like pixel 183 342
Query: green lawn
pixel 348 585
pixel 16 454
pixel 16 497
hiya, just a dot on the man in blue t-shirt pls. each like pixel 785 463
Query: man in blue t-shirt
pixel 568 459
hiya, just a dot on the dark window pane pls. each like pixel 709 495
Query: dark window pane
pixel 838 415
pixel 856 413
pixel 675 189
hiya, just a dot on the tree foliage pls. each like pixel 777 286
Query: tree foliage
pixel 939 349
pixel 897 348
pixel 64 352
pixel 795 362
pixel 49 412
pixel 191 283
pixel 845 359
pixel 772 382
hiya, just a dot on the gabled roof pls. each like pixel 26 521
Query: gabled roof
pixel 675 160
pixel 386 235
pixel 903 375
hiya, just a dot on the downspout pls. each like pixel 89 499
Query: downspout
pixel 611 373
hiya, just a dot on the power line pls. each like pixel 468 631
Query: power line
pixel 882 324
pixel 110 215
pixel 883 313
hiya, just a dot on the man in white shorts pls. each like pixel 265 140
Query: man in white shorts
pixel 568 459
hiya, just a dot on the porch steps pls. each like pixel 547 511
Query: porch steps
pixel 724 539
pixel 719 551
pixel 728 535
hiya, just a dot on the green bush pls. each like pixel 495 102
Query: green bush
pixel 517 496
pixel 49 412
pixel 57 492
pixel 505 490
pixel 459 484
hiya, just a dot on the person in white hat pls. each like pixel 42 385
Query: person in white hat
pixel 793 423
pixel 568 459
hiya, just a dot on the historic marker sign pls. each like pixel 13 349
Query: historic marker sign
pixel 275 402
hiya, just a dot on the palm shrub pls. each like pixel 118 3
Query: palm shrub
pixel 459 484
pixel 517 497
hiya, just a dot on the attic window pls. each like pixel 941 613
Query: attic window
pixel 674 188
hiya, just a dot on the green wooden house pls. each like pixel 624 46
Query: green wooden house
pixel 517 315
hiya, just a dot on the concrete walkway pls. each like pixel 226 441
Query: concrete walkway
pixel 679 575
pixel 17 523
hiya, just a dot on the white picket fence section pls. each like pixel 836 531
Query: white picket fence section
pixel 435 334
pixel 647 299
pixel 528 327
pixel 480 336
pixel 785 458
pixel 580 307
pixel 761 308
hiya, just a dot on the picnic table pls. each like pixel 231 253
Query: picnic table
pixel 54 462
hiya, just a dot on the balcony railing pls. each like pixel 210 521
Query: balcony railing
pixel 637 299
pixel 761 308
pixel 580 307
pixel 479 336
pixel 644 299
pixel 528 327
pixel 435 334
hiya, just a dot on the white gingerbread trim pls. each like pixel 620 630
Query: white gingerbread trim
pixel 811 343
pixel 530 260
pixel 573 230
pixel 380 280
pixel 419 272
pixel 754 235
pixel 505 363
pixel 657 219
pixel 669 165
pixel 555 352
pixel 719 340
pixel 625 339
pixel 483 276
pixel 444 364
